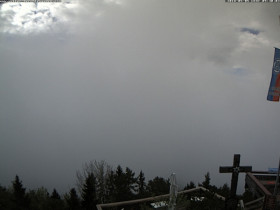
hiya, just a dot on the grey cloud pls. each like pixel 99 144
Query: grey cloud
pixel 153 85
pixel 250 30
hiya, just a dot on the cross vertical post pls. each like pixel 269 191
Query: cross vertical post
pixel 234 177
pixel 231 202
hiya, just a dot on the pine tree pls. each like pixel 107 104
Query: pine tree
pixel 119 184
pixel 55 201
pixel 124 183
pixel 101 171
pixel 55 195
pixel 73 201
pixel 130 183
pixel 190 185
pixel 158 186
pixel 18 190
pixel 89 200
pixel 110 188
pixel 141 185
pixel 224 191
pixel 206 182
pixel 5 198
pixel 21 201
pixel 39 199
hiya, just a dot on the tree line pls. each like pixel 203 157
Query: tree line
pixel 98 183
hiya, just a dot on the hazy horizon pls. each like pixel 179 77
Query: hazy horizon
pixel 160 86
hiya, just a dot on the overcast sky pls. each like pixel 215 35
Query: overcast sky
pixel 156 85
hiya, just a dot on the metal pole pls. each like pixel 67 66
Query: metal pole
pixel 277 180
pixel 276 186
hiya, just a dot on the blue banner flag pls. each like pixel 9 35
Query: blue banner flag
pixel 274 88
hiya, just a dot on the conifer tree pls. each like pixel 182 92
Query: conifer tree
pixel 21 201
pixel 55 201
pixel 73 201
pixel 39 199
pixel 55 195
pixel 101 171
pixel 119 180
pixel 5 198
pixel 224 190
pixel 18 190
pixel 141 185
pixel 190 185
pixel 130 182
pixel 110 188
pixel 124 183
pixel 158 186
pixel 206 182
pixel 89 200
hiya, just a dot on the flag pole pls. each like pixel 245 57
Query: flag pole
pixel 276 186
pixel 277 181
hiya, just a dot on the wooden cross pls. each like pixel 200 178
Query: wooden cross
pixel 235 170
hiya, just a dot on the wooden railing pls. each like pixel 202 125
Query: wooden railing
pixel 124 203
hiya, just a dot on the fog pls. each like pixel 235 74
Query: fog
pixel 160 86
